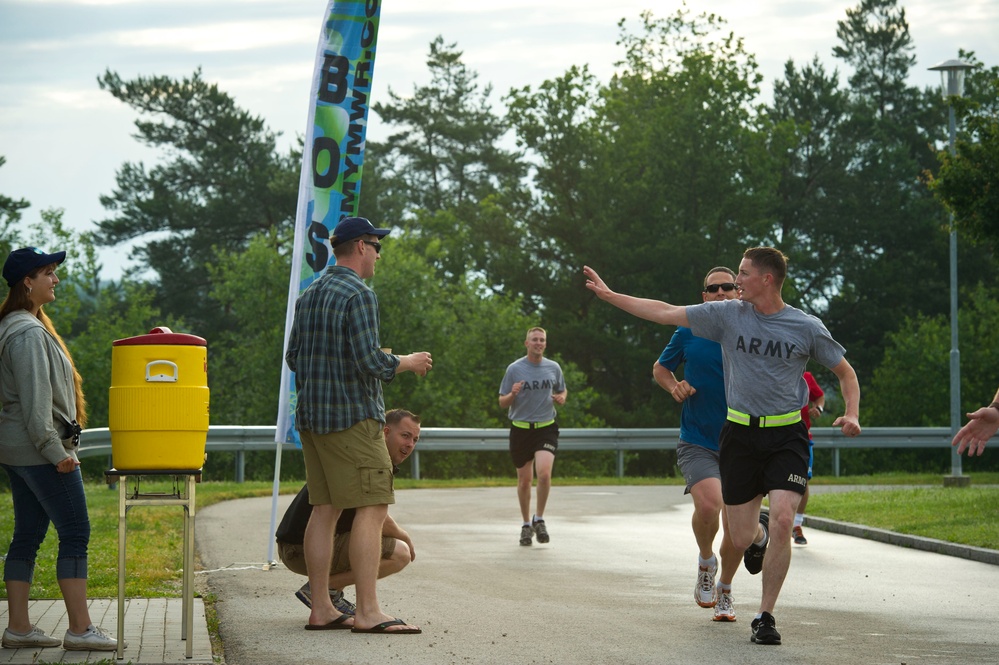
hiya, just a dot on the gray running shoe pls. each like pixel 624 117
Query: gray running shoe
pixel 541 531
pixel 526 534
pixel 94 639
pixel 704 589
pixel 724 611
pixel 305 595
pixel 342 605
pixel 33 639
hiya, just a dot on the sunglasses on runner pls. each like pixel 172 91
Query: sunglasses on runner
pixel 726 287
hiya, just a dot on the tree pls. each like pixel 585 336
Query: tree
pixel 472 333
pixel 808 115
pixel 443 167
pixel 10 218
pixel 250 287
pixel 968 182
pixel 445 148
pixel 89 314
pixel 920 349
pixel 654 178
pixel 223 181
pixel 899 262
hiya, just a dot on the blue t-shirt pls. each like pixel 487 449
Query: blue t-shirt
pixel 704 412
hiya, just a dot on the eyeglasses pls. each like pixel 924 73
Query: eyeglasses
pixel 374 243
pixel 726 287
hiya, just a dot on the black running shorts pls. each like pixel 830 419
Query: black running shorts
pixel 755 460
pixel 525 442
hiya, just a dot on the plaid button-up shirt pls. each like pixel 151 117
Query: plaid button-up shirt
pixel 334 351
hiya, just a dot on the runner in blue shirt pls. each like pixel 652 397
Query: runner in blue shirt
pixel 702 394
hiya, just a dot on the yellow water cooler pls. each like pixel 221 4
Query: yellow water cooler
pixel 158 402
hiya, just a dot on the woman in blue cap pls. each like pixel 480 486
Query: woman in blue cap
pixel 42 412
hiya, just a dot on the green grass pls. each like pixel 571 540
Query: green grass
pixel 155 535
pixel 965 515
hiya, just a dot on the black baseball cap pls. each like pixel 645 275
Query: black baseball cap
pixel 355 227
pixel 22 261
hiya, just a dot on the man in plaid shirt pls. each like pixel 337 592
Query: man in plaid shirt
pixel 340 414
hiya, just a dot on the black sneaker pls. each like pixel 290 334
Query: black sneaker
pixel 753 556
pixel 799 537
pixel 765 630
pixel 541 531
pixel 526 534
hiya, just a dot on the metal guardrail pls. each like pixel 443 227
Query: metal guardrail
pixel 238 439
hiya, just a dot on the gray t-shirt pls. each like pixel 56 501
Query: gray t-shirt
pixel 764 356
pixel 534 402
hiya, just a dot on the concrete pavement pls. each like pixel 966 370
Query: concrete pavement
pixel 615 585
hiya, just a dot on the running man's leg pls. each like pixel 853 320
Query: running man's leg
pixel 525 479
pixel 731 556
pixel 707 497
pixel 744 523
pixel 783 504
pixel 543 463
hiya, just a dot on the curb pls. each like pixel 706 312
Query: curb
pixel 979 554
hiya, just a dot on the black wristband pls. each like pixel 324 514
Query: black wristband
pixel 994 405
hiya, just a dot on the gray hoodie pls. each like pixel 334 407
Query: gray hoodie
pixel 37 394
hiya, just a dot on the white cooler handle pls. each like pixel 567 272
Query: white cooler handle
pixel 161 378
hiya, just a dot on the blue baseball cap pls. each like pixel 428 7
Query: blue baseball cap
pixel 22 261
pixel 355 227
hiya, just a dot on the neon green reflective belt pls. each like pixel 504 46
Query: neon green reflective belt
pixel 523 424
pixel 764 421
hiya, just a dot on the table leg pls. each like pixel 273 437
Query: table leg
pixel 122 509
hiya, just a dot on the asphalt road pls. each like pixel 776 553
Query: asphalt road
pixel 615 585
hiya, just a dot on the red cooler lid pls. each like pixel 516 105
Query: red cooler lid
pixel 162 335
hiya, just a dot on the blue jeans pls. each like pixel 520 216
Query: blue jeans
pixel 42 495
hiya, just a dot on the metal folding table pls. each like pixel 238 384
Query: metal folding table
pixel 184 481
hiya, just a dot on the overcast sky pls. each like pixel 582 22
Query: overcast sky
pixel 64 138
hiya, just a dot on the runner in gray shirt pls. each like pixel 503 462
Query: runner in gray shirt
pixel 764 444
pixel 531 388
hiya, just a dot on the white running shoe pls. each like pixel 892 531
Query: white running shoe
pixel 94 639
pixel 704 590
pixel 34 638
pixel 724 611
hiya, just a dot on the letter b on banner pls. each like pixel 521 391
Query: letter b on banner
pixel 333 86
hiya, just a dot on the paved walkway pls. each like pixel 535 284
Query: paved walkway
pixel 152 631
pixel 614 586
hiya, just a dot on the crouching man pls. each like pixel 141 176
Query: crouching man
pixel 402 432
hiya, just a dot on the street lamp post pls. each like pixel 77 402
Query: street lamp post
pixel 952 82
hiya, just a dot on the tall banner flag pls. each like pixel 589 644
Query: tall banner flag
pixel 330 184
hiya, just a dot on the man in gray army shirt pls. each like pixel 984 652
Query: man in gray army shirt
pixel 764 444
pixel 531 388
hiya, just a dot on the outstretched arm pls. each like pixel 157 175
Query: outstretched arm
pixel 656 311
pixel 982 425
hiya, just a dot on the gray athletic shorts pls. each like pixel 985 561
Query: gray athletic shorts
pixel 696 463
